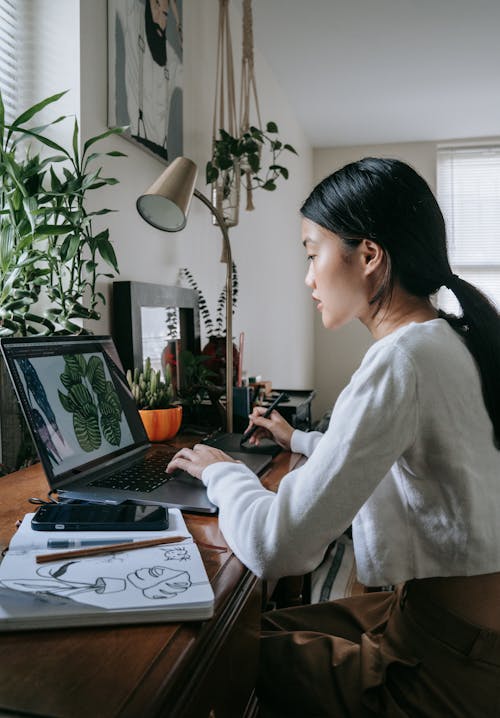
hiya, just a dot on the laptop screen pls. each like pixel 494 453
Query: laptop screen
pixel 75 399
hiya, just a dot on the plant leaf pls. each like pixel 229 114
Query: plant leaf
pixel 30 112
pixel 87 431
pixel 93 140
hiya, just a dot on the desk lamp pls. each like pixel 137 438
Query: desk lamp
pixel 165 205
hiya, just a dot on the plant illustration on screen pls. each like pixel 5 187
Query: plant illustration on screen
pixel 93 401
pixel 36 394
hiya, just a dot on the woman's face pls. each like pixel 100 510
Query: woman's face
pixel 337 276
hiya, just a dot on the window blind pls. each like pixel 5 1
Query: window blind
pixel 468 191
pixel 9 58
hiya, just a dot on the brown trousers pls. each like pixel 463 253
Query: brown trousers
pixel 386 654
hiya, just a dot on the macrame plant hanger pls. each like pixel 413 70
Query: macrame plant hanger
pixel 226 188
pixel 248 89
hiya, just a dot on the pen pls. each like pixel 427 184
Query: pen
pixel 251 431
pixel 99 550
pixel 57 543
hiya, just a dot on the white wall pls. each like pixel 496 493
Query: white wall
pixel 274 309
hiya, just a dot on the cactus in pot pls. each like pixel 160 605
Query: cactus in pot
pixel 148 388
pixel 154 397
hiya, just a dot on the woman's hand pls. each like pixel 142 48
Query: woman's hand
pixel 195 460
pixel 274 427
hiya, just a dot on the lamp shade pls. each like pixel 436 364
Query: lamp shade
pixel 165 205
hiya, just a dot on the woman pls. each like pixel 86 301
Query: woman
pixel 410 459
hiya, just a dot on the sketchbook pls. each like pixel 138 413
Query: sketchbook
pixel 149 585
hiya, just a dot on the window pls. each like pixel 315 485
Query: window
pixel 468 191
pixel 9 73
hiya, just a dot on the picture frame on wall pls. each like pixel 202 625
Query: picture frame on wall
pixel 145 70
pixel 155 321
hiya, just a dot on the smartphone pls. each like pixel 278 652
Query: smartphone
pixel 99 517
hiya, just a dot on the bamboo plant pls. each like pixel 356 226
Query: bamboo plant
pixel 48 247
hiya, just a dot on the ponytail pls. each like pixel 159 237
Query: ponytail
pixel 480 327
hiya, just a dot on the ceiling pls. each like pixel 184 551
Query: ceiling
pixel 378 71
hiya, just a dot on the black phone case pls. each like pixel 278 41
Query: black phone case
pixel 52 518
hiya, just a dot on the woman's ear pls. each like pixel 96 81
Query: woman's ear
pixel 372 256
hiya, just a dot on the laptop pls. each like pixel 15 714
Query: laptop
pixel 87 429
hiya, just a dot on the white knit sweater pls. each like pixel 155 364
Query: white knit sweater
pixel 408 459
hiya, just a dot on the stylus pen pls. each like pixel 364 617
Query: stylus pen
pixel 251 431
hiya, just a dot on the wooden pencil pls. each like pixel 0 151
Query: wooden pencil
pixel 110 548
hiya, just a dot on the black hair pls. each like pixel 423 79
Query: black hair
pixel 388 202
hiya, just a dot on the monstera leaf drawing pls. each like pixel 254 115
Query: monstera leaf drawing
pixel 92 400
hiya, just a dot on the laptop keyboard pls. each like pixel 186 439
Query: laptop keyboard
pixel 145 475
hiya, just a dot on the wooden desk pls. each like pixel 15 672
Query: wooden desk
pixel 189 670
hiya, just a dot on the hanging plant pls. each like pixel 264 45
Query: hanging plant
pixel 237 153
pixel 244 155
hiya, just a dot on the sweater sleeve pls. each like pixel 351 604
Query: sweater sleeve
pixel 372 424
pixel 304 442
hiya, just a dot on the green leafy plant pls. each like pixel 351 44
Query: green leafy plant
pixel 198 378
pixel 93 401
pixel 198 386
pixel 48 248
pixel 217 327
pixel 148 388
pixel 243 155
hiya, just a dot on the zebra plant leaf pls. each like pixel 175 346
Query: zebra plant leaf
pixel 111 429
pixel 87 429
pixel 93 401
pixel 95 374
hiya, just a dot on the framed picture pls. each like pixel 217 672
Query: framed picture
pixel 155 321
pixel 145 73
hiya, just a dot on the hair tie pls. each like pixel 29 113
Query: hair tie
pixel 452 278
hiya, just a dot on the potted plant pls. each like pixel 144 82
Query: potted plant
pixel 48 248
pixel 154 397
pixel 239 159
pixel 215 349
pixel 199 387
pixel 49 252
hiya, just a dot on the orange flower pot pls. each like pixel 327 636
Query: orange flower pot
pixel 161 424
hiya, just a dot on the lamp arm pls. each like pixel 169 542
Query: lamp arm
pixel 227 258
